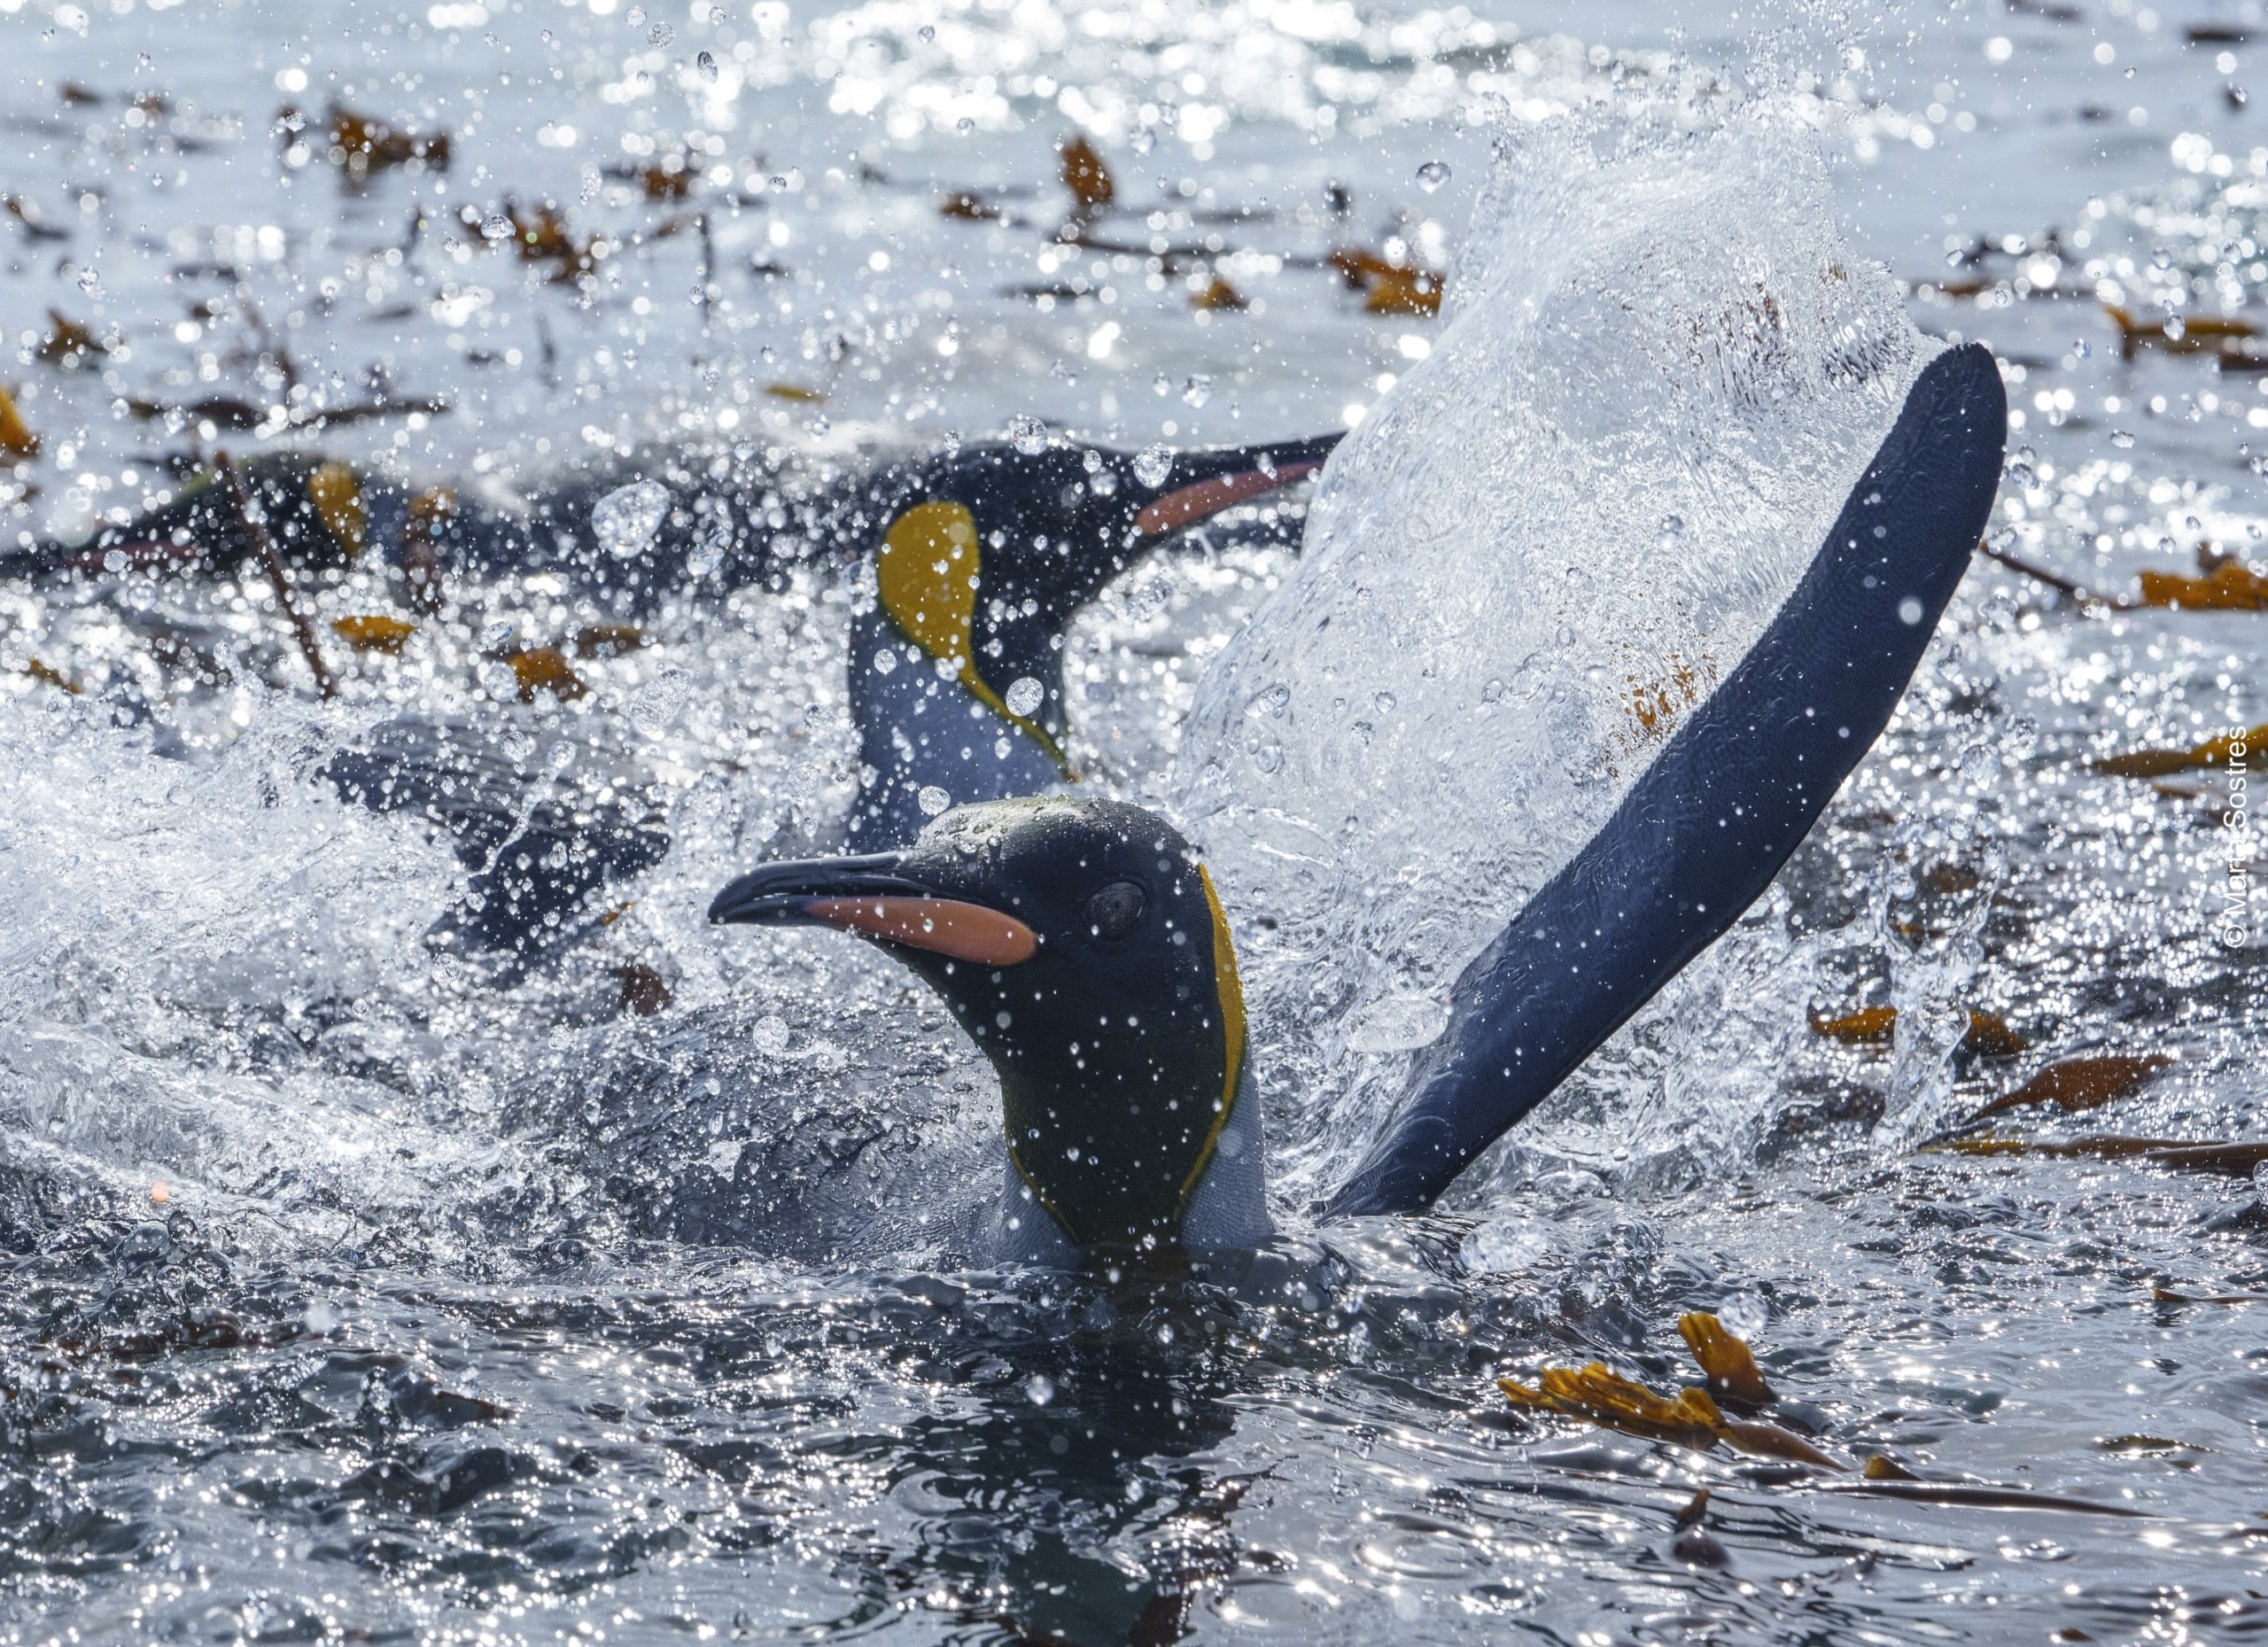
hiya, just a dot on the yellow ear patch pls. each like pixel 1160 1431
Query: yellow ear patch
pixel 337 499
pixel 1230 988
pixel 926 575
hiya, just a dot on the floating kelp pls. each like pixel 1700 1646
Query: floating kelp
pixel 361 143
pixel 1087 175
pixel 16 436
pixel 1691 1418
pixel 2178 334
pixel 543 669
pixel 2231 586
pixel 2231 1160
pixel 1726 1360
pixel 2075 1084
pixel 2163 763
pixel 376 632
pixel 1988 1035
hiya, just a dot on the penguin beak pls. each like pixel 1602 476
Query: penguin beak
pixel 1203 498
pixel 876 897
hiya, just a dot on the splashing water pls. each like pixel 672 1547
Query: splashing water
pixel 636 1297
pixel 625 519
pixel 1492 626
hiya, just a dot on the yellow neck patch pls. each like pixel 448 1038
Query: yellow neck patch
pixel 1230 988
pixel 927 576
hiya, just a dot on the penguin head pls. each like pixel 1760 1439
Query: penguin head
pixel 1080 946
pixel 985 553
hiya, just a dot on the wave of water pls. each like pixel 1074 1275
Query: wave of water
pixel 1663 370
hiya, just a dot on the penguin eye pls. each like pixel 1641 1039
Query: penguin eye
pixel 1118 909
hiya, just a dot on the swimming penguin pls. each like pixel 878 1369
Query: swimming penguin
pixel 1080 946
pixel 986 556
pixel 980 555
pixel 1084 951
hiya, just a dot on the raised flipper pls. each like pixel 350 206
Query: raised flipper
pixel 1708 825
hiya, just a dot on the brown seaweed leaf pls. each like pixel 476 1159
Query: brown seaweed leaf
pixel 361 143
pixel 2163 763
pixel 375 633
pixel 1988 1036
pixel 542 669
pixel 2182 334
pixel 2231 586
pixel 1086 176
pixel 1726 1360
pixel 1605 1398
pixel 2075 1084
pixel 1394 288
pixel 2230 1160
pixel 16 436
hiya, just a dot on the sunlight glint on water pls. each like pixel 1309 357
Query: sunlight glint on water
pixel 355 1292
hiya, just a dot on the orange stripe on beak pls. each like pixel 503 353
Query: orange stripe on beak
pixel 1207 498
pixel 969 932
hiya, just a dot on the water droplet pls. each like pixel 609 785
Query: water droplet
pixel 964 125
pixel 2175 328
pixel 1673 534
pixel 1268 757
pixel 625 519
pixel 886 660
pixel 715 542
pixel 495 635
pixel 1909 612
pixel 1152 464
pixel 2119 437
pixel 659 700
pixel 1025 695
pixel 1040 1388
pixel 1144 140
pixel 926 33
pixel 1162 384
pixel 635 17
pixel 660 35
pixel 1103 485
pixel 1197 391
pixel 933 800
pixel 707 64
pixel 2080 349
pixel 769 1034
pixel 1384 703
pixel 90 281
pixel 1433 174
pixel 1028 435
pixel 1744 1315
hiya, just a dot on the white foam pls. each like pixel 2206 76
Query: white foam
pixel 1664 370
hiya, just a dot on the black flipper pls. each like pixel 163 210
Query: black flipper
pixel 1706 827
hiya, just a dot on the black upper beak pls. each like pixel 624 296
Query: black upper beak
pixel 779 892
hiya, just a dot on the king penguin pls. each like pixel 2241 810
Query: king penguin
pixel 1082 947
pixel 972 559
pixel 1081 944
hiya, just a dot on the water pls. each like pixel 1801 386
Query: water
pixel 357 1293
pixel 1650 325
